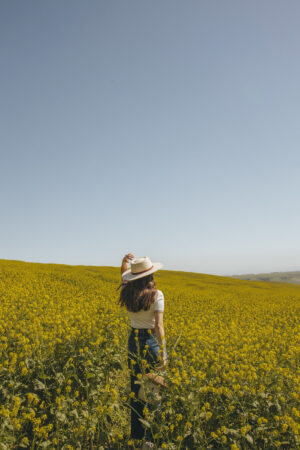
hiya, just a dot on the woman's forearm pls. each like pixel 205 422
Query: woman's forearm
pixel 125 260
pixel 123 266
pixel 160 333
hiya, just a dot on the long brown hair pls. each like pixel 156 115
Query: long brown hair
pixel 138 294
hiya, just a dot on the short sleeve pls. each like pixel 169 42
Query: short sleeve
pixel 159 302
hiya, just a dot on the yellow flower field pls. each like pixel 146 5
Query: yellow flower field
pixel 233 367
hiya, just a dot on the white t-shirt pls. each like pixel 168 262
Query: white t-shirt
pixel 146 319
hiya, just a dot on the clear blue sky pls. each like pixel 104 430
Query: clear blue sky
pixel 162 128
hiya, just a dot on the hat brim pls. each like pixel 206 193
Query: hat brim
pixel 128 276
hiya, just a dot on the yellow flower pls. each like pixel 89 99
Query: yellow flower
pixel 243 430
pixel 261 420
pixel 44 308
pixel 25 441
pixel 24 371
pixel 114 392
pixel 146 411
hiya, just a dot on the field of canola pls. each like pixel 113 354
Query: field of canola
pixel 232 378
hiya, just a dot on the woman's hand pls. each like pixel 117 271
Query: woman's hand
pixel 127 257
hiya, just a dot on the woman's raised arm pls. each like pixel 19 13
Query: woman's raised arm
pixel 125 261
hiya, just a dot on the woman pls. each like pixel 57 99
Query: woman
pixel 145 306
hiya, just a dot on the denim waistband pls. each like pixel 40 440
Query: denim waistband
pixel 142 330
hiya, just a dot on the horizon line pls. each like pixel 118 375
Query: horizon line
pixel 167 270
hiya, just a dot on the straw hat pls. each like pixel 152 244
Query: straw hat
pixel 141 267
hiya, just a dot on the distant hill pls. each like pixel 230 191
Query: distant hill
pixel 282 277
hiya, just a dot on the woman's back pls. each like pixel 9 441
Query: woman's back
pixel 146 319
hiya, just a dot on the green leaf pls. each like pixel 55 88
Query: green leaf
pixel 249 439
pixel 90 375
pixel 233 432
pixel 60 378
pixel 145 422
pixel 38 385
pixel 3 446
pixel 74 413
pixel 61 416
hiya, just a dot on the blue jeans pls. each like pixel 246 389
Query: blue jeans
pixel 151 356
